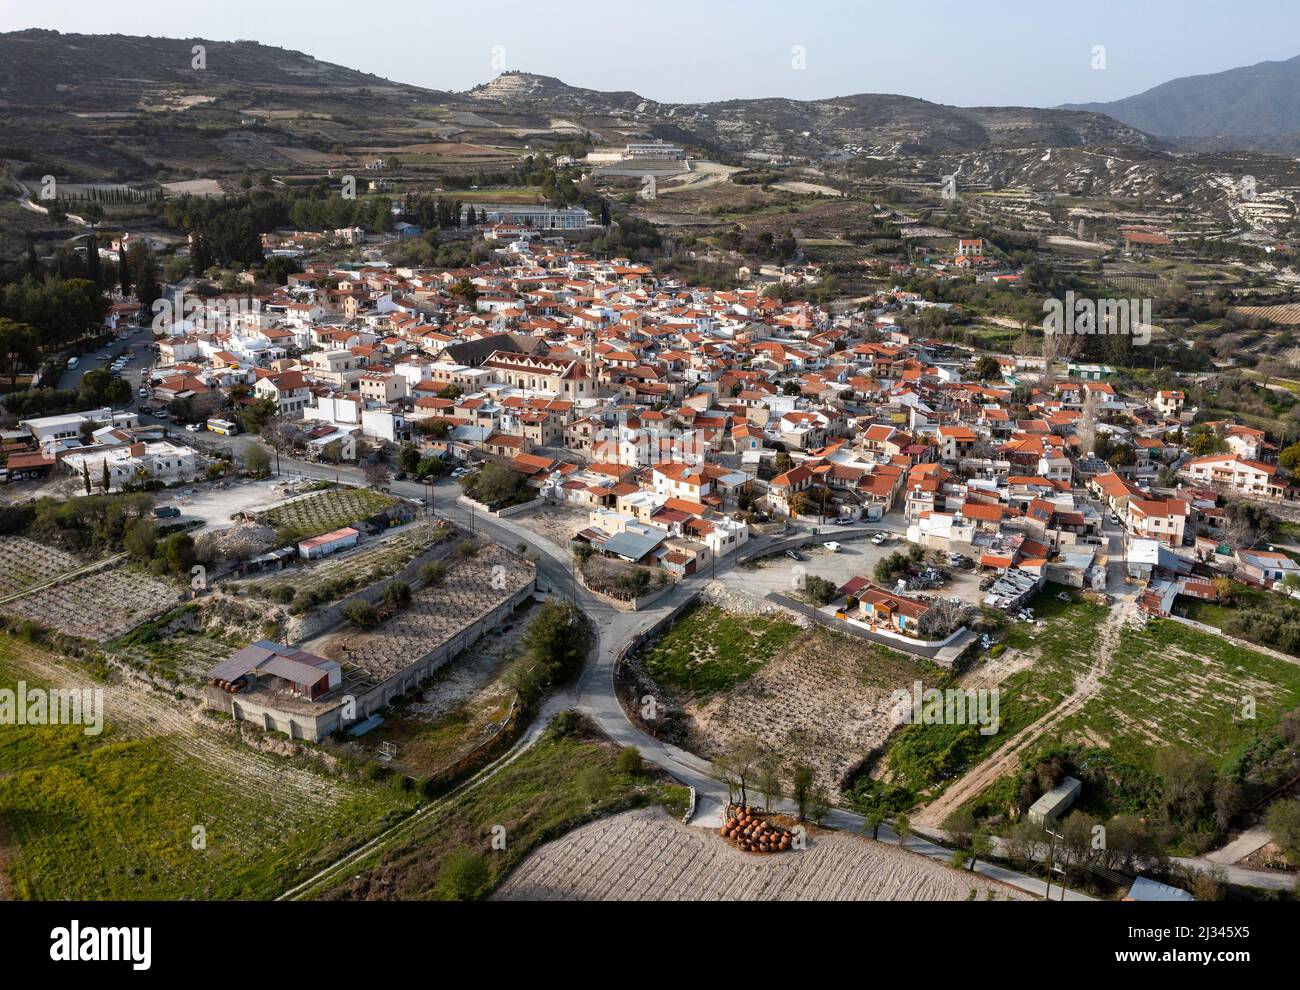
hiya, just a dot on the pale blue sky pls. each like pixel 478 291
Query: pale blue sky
pixel 1004 52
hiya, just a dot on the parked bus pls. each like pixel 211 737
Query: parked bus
pixel 223 426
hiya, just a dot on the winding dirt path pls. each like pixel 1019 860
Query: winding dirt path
pixel 1007 757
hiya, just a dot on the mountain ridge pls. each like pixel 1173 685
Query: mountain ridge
pixel 1258 104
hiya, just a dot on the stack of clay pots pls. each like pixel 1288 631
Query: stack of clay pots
pixel 750 833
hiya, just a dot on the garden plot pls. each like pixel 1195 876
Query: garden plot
pixel 352 569
pixel 26 563
pixel 97 606
pixel 473 587
pixel 326 511
pixel 810 694
pixel 645 855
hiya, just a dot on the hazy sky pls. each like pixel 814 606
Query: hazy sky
pixel 1028 52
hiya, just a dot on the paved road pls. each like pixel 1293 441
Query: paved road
pixel 594 693
pixel 136 343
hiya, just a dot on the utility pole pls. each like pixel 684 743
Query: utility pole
pixel 1051 856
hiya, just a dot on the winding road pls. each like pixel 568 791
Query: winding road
pixel 593 694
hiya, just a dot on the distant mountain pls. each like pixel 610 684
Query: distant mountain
pixel 815 128
pixel 94 108
pixel 1255 107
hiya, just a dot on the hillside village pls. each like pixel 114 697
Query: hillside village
pixel 447 518
pixel 687 417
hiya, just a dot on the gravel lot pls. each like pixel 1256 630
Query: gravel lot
pixel 857 558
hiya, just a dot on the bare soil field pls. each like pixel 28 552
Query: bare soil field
pixel 97 606
pixel 823 699
pixel 645 855
pixel 310 156
pixel 472 588
pixel 26 563
pixel 194 187
pixel 556 523
pixel 464 706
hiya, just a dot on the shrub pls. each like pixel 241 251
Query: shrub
pixel 397 594
pixel 565 723
pixel 463 876
pixel 820 590
pixel 629 760
pixel 361 614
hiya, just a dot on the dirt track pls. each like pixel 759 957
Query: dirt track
pixel 1006 759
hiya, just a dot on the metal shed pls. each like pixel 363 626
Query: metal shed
pixel 1049 807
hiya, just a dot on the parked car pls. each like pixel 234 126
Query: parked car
pixel 794 555
pixel 192 427
pixel 400 476
pixel 880 539
pixel 832 546
pixel 844 521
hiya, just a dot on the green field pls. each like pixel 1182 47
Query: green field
pixel 1171 685
pixel 709 650
pixel 113 816
pixel 34 746
pixel 921 757
pixel 558 784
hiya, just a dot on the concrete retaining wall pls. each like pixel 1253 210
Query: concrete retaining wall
pixel 262 710
pixel 506 513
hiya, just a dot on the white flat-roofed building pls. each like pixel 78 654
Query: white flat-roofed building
pixel 537 217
